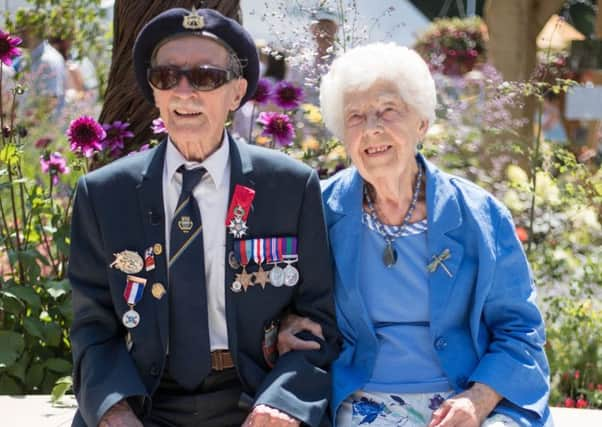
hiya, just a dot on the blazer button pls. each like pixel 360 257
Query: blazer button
pixel 440 343
pixel 154 371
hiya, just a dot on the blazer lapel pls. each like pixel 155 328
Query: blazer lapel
pixel 241 169
pixel 346 241
pixel 444 215
pixel 150 197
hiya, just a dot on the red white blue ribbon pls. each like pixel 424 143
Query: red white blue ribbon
pixel 134 290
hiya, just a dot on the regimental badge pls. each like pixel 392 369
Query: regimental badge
pixel 233 261
pixel 158 290
pixel 185 224
pixel 128 261
pixel 157 249
pixel 193 21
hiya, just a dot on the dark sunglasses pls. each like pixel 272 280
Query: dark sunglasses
pixel 203 77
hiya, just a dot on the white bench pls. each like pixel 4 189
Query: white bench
pixel 37 411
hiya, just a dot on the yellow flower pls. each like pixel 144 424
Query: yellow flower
pixel 337 153
pixel 546 189
pixel 310 144
pixel 262 140
pixel 517 176
pixel 312 113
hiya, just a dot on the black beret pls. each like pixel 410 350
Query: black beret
pixel 180 21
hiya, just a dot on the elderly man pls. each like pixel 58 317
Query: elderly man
pixel 185 257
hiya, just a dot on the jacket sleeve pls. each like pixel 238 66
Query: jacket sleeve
pixel 299 384
pixel 514 363
pixel 104 372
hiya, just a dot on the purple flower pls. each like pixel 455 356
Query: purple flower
pixel 55 165
pixel 142 148
pixel 8 47
pixel 263 93
pixel 116 134
pixel 158 126
pixel 86 135
pixel 287 95
pixel 277 126
pixel 435 402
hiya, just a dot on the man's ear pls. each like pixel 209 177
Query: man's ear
pixel 240 90
pixel 424 125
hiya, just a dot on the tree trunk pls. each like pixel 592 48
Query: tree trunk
pixel 513 27
pixel 123 100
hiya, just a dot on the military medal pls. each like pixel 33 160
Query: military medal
pixel 243 251
pixel 289 256
pixel 238 212
pixel 128 261
pixel 273 253
pixel 133 292
pixel 261 276
pixel 149 259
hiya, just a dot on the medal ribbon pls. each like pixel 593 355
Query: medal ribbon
pixel 258 251
pixel 242 197
pixel 240 249
pixel 134 290
pixel 290 246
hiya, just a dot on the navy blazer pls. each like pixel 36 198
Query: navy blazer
pixel 484 323
pixel 120 207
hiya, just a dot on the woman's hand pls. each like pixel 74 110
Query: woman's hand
pixel 467 409
pixel 263 415
pixel 291 325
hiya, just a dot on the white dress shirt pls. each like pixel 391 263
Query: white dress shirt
pixel 212 196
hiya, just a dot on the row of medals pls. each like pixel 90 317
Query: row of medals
pixel 277 276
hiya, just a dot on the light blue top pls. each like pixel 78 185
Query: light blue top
pixel 405 361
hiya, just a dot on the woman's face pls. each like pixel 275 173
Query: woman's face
pixel 380 131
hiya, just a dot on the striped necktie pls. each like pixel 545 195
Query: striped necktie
pixel 189 351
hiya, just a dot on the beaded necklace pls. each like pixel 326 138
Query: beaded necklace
pixel 390 254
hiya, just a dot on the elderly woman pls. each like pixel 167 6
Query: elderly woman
pixel 434 296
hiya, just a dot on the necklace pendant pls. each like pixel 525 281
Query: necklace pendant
pixel 389 255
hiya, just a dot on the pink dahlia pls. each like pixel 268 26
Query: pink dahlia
pixel 55 165
pixel 287 95
pixel 8 47
pixel 277 126
pixel 116 132
pixel 86 135
pixel 263 93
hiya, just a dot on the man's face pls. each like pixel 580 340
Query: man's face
pixel 195 119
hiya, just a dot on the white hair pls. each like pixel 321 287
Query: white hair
pixel 362 66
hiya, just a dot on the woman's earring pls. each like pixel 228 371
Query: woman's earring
pixel 419 146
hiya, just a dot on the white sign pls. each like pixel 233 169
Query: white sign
pixel 584 103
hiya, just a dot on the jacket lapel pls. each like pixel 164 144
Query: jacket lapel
pixel 444 215
pixel 241 169
pixel 150 197
pixel 345 237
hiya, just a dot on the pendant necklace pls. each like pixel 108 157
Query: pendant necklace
pixel 390 254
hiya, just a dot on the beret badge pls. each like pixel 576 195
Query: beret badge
pixel 192 21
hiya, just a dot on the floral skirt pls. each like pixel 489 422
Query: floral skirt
pixel 407 410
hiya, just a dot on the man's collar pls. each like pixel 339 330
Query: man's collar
pixel 216 164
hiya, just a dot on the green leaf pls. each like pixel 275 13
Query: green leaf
pixel 11 347
pixel 27 294
pixel 52 334
pixel 62 385
pixel 34 376
pixel 66 310
pixel 58 365
pixel 10 303
pixel 8 385
pixel 33 327
pixel 18 369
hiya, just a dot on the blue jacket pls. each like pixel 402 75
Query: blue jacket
pixel 485 325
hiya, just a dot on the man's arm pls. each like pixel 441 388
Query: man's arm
pixel 104 373
pixel 299 384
